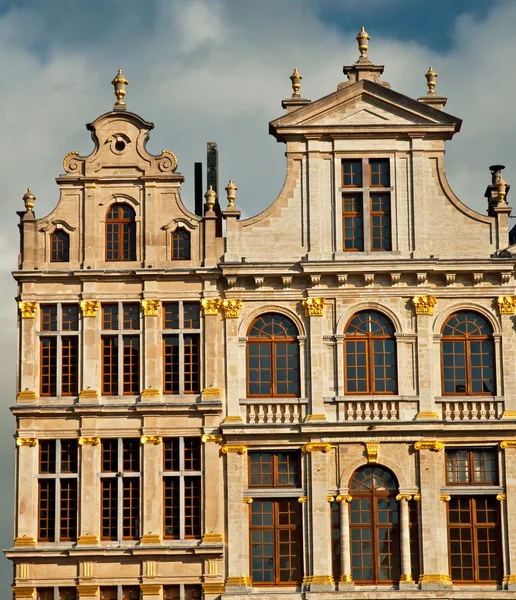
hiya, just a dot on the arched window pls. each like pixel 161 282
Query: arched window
pixel 59 246
pixel 273 357
pixel 374 526
pixel 181 245
pixel 467 354
pixel 120 233
pixel 370 355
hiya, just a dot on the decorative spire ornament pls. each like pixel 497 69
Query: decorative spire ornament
pixel 119 83
pixel 431 76
pixel 363 42
pixel 29 198
pixel 295 78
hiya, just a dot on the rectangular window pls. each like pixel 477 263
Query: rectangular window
pixel 182 490
pixel 276 542
pixel 51 593
pixel 352 173
pixel 181 348
pixel 381 222
pixel 335 540
pixel 120 489
pixel 57 490
pixel 121 333
pixel 59 350
pixel 379 173
pixel 352 222
pixel 474 539
pixel 182 592
pixel 472 467
pixel 274 469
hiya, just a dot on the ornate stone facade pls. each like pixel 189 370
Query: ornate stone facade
pixel 351 346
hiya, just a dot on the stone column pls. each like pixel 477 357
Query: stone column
pixel 90 350
pixel 506 307
pixel 346 579
pixel 233 349
pixel 89 532
pixel 406 580
pixel 320 578
pixel 424 307
pixel 26 492
pixel 152 517
pixel 28 366
pixel 314 308
pixel 509 505
pixel 213 490
pixel 434 564
pixel 151 379
pixel 237 565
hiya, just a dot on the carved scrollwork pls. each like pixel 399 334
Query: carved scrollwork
pixel 73 164
pixel 167 161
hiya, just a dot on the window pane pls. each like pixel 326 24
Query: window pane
pixel 48 314
pixel 47 506
pixel 351 173
pixel 130 508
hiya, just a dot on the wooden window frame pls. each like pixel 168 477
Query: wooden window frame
pixel 276 528
pixel 182 591
pixel 124 227
pixel 274 468
pixel 56 373
pixel 56 593
pixel 59 246
pixel 474 528
pixel 369 340
pixel 116 384
pixel 180 478
pixel 55 474
pixel 365 192
pixel 189 381
pixel 121 476
pixel 467 340
pixel 470 467
pixel 181 244
pixel 274 341
pixel 358 240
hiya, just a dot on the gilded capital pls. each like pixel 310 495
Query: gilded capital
pixel 424 305
pixel 406 497
pixel 89 308
pixel 89 441
pixel 237 449
pixel 23 592
pixel 372 451
pixel 302 499
pixel 211 305
pixel 506 305
pixel 508 444
pixel 315 447
pixel 31 442
pixel 314 307
pixel 501 497
pixel 247 500
pixel 445 497
pixel 213 588
pixel 150 589
pixel 87 591
pixel 231 308
pixel 150 307
pixel 330 499
pixel 433 446
pixel 150 439
pixel 212 437
pixel 343 498
pixel 28 309
pixel 417 497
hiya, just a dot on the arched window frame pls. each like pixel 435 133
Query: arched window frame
pixel 256 342
pixel 59 246
pixel 181 244
pixel 119 230
pixel 368 339
pixel 468 338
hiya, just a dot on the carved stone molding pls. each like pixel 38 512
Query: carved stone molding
pixel 314 307
pixel 23 592
pixel 89 441
pixel 88 540
pixel 31 442
pixel 212 538
pixel 150 538
pixel 212 437
pixel 213 588
pixel 315 447
pixel 434 446
pixel 445 497
pixel 150 589
pixel 150 307
pixel 88 395
pixel 508 444
pixel 26 396
pixel 247 500
pixel 343 498
pixel 330 499
pixel 501 497
pixel 25 542
pixel 89 308
pixel 28 309
pixel 236 449
pixel 406 497
pixel 211 306
pixel 424 305
pixel 150 393
pixel 87 591
pixel 151 439
pixel 231 308
pixel 372 451
pixel 238 581
pixel 302 499
pixel 506 305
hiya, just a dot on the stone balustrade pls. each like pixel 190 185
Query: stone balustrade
pixel 488 409
pixel 272 410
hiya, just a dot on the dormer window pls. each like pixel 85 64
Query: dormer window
pixel 366 205
pixel 59 246
pixel 181 245
pixel 120 233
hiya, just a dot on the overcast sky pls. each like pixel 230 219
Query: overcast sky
pixel 217 70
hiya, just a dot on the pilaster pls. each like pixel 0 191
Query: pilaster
pixel 28 364
pixel 89 532
pixel 233 373
pixel 152 529
pixel 425 355
pixel 314 311
pixel 91 344
pixel 508 356
pixel 27 496
pixel 213 480
pixel 508 506
pixel 151 349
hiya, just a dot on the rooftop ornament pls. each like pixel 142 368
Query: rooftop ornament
pixel 363 42
pixel 119 83
pixel 431 76
pixel 295 78
pixel 29 198
pixel 211 197
pixel 231 189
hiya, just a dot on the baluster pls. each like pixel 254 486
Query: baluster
pixel 295 414
pixel 474 411
pixel 261 414
pixel 350 416
pixel 394 411
pixel 279 415
pixel 358 411
pixel 385 410
pixel 483 411
pixel 376 412
pixel 270 414
pixel 367 411
pixel 251 414
pixel 492 411
pixel 456 411
pixel 447 411
pixel 465 411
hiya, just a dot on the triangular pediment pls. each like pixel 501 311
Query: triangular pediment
pixel 365 104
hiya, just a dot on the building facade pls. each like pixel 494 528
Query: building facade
pixel 316 400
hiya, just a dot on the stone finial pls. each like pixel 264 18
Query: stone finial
pixel 119 83
pixel 231 189
pixel 211 197
pixel 29 198
pixel 363 42
pixel 431 76
pixel 295 78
